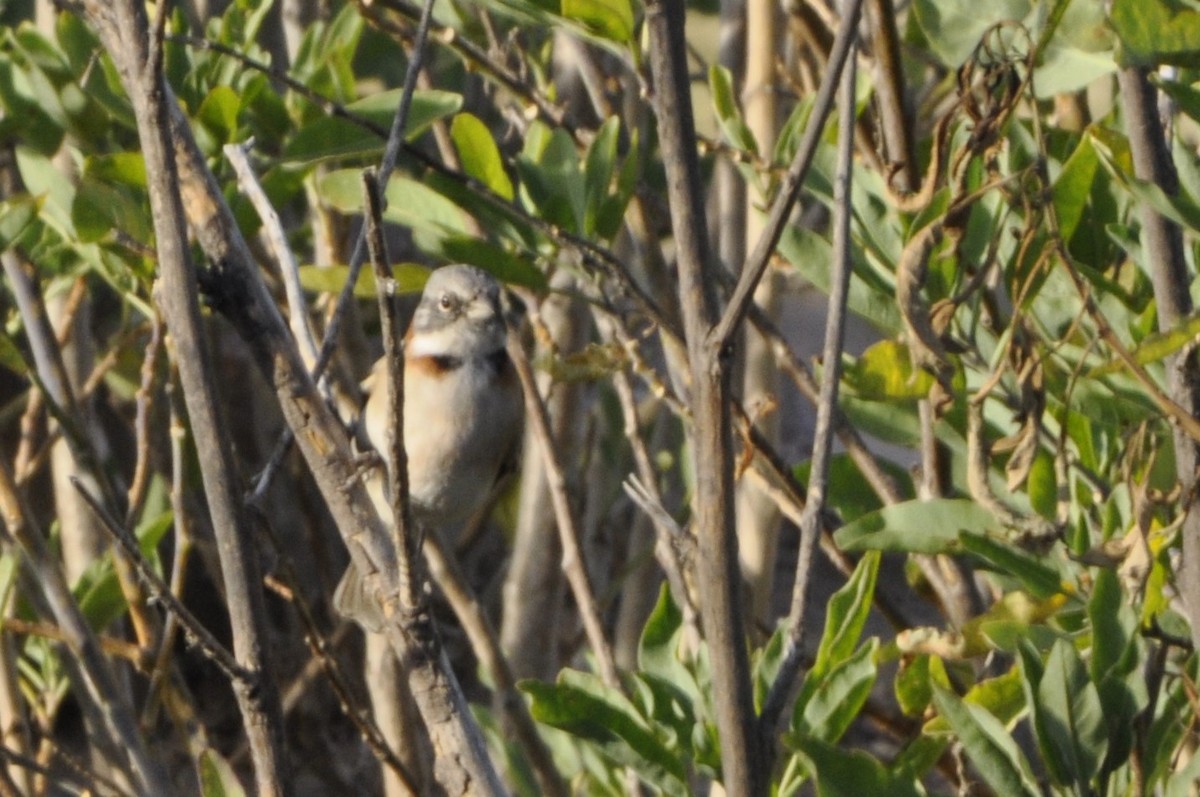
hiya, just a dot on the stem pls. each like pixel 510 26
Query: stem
pixel 793 182
pixel 138 64
pixel 708 359
pixel 835 333
pixel 1163 242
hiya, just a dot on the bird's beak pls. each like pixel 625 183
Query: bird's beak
pixel 481 309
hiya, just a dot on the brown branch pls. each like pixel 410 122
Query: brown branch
pixel 708 350
pixel 835 336
pixel 486 644
pixel 1163 243
pixel 894 118
pixel 406 537
pixel 125 31
pixel 568 527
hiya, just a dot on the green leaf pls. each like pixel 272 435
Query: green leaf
pixel 1072 718
pixel 1116 665
pixel 1073 187
pixel 849 492
pixel 612 19
pixel 16 215
pixel 217 778
pixel 10 354
pixel 598 168
pixel 579 704
pixel 916 526
pixel 846 615
pixel 884 372
pixel 737 133
pixel 409 202
pixel 912 686
pixel 479 154
pixel 954 27
pixel 845 773
pixel 551 180
pixel 100 208
pixel 128 168
pixel 1156 346
pixel 830 701
pixel 810 254
pixel 410 278
pixel 334 137
pixel 658 649
pixel 219 113
pixel 1154 32
pixel 988 745
pixel 1035 575
pixel 1110 635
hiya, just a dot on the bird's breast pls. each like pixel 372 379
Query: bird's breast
pixel 461 419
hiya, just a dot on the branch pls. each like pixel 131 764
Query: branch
pixel 405 536
pixel 741 746
pixel 1163 242
pixel 568 528
pixel 835 335
pixel 793 182
pixel 97 681
pixel 236 289
pixel 289 271
pixel 128 40
pixel 391 150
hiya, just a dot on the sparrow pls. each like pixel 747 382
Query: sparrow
pixel 463 414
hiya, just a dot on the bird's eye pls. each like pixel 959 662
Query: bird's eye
pixel 446 302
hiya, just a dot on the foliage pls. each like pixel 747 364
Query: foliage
pixel 1073 672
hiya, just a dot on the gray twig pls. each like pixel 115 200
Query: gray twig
pixel 200 636
pixel 835 327
pixel 793 181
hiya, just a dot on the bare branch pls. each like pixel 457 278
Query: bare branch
pixel 835 335
pixel 793 182
pixel 568 528
pixel 127 38
pixel 405 536
pixel 288 269
pixel 97 680
pixel 708 354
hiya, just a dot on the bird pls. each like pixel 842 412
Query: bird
pixel 463 414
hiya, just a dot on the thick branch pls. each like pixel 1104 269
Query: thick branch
pixel 138 65
pixel 741 749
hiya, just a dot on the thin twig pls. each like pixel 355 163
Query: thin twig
pixel 789 190
pixel 835 333
pixel 289 270
pixel 200 636
pixel 183 542
pixel 568 528
pixel 406 536
pixel 144 398
pixel 391 150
